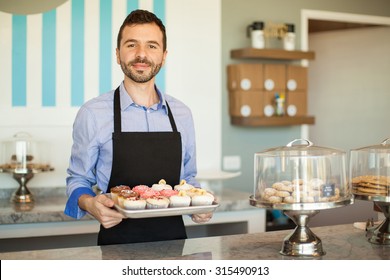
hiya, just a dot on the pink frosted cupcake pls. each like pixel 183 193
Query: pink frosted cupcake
pixel 162 185
pixel 168 193
pixel 180 200
pixel 157 202
pixel 115 192
pixel 149 193
pixel 140 188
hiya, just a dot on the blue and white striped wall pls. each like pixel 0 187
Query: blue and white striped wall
pixel 51 63
pixel 66 55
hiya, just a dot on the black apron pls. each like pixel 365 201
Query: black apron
pixel 143 158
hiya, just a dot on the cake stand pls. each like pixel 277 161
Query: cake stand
pixel 302 242
pixel 379 234
pixel 22 176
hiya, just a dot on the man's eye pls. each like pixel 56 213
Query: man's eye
pixel 152 47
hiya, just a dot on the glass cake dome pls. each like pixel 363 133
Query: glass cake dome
pixel 300 174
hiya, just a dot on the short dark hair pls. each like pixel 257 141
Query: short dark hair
pixel 142 17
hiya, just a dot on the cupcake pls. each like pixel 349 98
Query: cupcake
pixel 116 190
pixel 194 191
pixel 149 193
pixel 157 202
pixel 183 186
pixel 168 193
pixel 202 198
pixel 162 185
pixel 140 188
pixel 126 194
pixel 134 203
pixel 179 200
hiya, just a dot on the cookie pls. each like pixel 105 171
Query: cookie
pixel 275 199
pixel 282 193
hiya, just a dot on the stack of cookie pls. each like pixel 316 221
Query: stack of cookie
pixel 371 185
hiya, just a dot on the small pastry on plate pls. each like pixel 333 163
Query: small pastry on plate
pixel 140 188
pixel 116 190
pixel 202 198
pixel 157 202
pixel 162 185
pixel 126 194
pixel 183 186
pixel 180 200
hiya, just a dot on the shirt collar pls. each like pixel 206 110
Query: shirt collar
pixel 127 101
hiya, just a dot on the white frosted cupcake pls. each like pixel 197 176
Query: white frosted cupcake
pixel 183 186
pixel 134 203
pixel 180 200
pixel 194 191
pixel 162 185
pixel 157 202
pixel 202 198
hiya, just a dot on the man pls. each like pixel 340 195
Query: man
pixel 130 136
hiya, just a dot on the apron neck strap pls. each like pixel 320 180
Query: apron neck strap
pixel 117 114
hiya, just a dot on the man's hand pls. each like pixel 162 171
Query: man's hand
pixel 100 207
pixel 202 218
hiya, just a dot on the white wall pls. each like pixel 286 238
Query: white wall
pixel 350 97
pixel 193 74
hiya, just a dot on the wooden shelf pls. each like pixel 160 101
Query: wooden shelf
pixel 271 121
pixel 271 54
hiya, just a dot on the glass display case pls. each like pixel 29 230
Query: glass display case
pixel 301 179
pixel 23 156
pixel 370 181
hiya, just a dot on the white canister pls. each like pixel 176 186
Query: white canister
pixel 256 32
pixel 289 38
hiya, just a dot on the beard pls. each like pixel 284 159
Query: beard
pixel 140 76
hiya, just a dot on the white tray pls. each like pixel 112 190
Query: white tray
pixel 149 213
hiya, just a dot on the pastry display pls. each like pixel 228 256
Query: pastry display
pixel 370 171
pixel 370 184
pixel 183 186
pixel 301 174
pixel 157 202
pixel 300 179
pixel 162 185
pixel 23 157
pixel 370 181
pixel 115 191
pixel 181 199
pixel 301 191
pixel 126 195
pixel 168 193
pixel 140 189
pixel 161 196
pixel 202 197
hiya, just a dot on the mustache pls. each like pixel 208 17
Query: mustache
pixel 140 60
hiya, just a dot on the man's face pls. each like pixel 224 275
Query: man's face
pixel 141 52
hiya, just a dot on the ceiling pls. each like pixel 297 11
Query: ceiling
pixel 325 25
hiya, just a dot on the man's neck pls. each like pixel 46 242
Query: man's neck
pixel 143 94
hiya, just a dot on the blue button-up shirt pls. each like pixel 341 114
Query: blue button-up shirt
pixel 91 157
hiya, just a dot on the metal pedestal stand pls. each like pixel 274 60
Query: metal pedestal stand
pixel 23 194
pixel 302 242
pixel 381 233
pixel 22 176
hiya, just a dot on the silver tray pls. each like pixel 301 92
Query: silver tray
pixel 150 213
